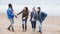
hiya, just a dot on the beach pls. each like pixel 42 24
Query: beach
pixel 51 25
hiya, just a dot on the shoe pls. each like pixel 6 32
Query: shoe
pixel 33 30
pixel 40 32
pixel 12 29
pixel 25 28
pixel 8 29
pixel 23 31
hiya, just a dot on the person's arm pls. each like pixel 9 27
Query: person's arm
pixel 30 16
pixel 20 13
pixel 43 15
pixel 9 12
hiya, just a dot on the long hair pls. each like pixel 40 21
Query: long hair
pixel 39 10
pixel 26 8
pixel 34 9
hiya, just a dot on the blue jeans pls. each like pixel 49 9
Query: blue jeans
pixel 40 26
pixel 11 25
pixel 24 24
pixel 12 22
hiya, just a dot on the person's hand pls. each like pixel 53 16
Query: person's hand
pixel 16 16
pixel 30 19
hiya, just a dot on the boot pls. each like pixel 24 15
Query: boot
pixel 23 27
pixel 12 29
pixel 8 28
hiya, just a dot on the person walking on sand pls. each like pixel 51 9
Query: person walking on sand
pixel 33 19
pixel 10 15
pixel 41 17
pixel 24 13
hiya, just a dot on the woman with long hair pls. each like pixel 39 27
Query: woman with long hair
pixel 24 18
pixel 40 17
pixel 33 19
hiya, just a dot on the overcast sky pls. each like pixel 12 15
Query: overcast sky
pixel 51 7
pixel 29 2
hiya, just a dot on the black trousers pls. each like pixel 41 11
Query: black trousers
pixel 33 23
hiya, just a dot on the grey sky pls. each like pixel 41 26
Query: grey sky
pixel 29 2
pixel 51 7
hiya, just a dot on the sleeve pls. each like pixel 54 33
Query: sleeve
pixel 9 12
pixel 43 15
pixel 31 16
pixel 20 13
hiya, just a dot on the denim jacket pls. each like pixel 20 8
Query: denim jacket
pixel 10 15
pixel 33 15
pixel 42 16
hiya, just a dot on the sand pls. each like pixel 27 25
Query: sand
pixel 51 25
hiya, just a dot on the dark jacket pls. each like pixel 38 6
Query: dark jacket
pixel 42 16
pixel 33 15
pixel 24 14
